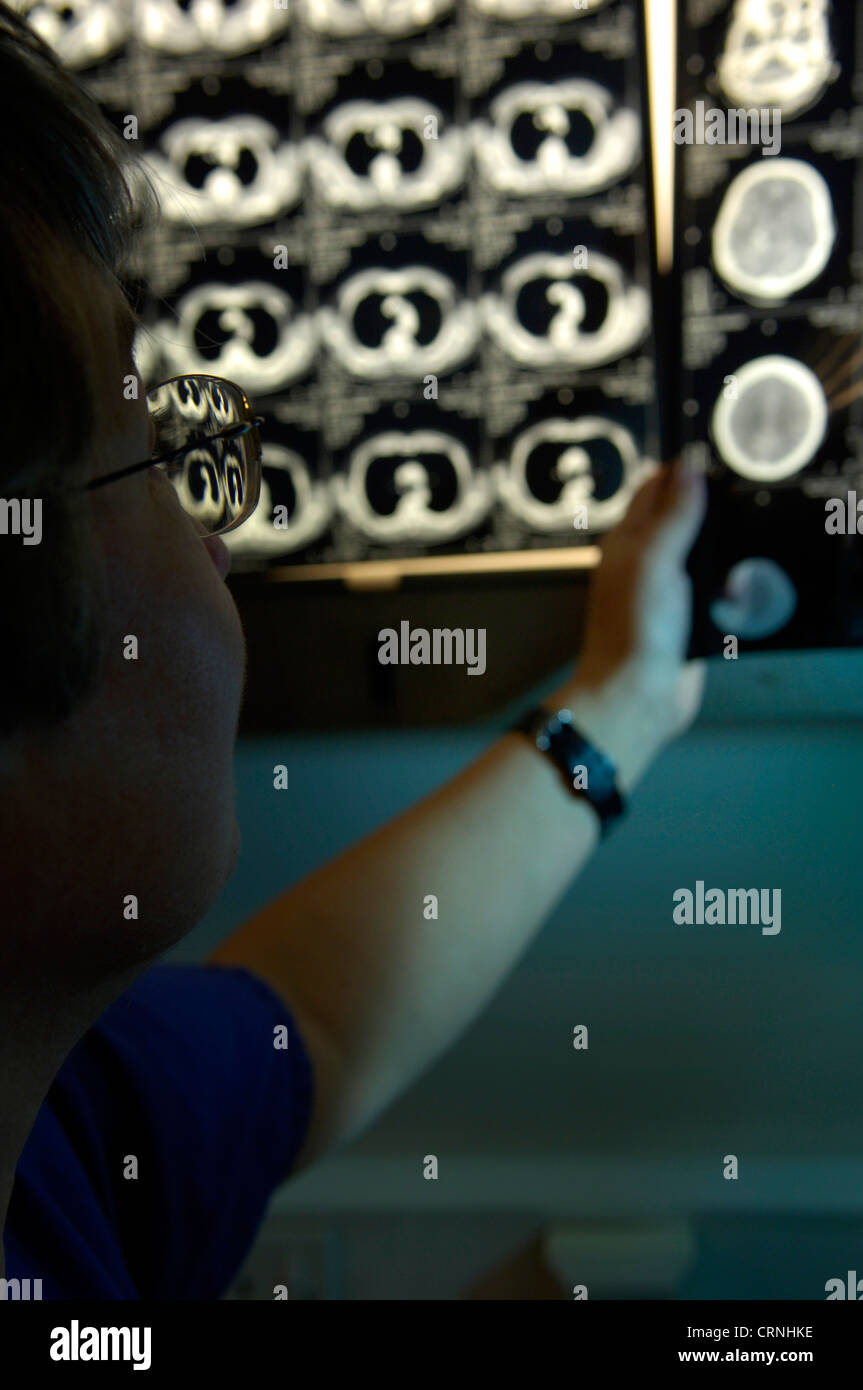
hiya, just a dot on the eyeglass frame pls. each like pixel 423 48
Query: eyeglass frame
pixel 232 432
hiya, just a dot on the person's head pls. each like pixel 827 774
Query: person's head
pixel 116 774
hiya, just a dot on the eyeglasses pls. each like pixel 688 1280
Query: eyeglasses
pixel 207 442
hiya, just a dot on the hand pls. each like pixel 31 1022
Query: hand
pixel 632 690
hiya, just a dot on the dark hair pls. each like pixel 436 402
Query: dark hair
pixel 68 191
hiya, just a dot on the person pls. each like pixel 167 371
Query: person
pixel 149 1110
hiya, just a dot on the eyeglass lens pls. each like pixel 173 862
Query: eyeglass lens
pixel 212 476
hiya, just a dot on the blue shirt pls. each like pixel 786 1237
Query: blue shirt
pixel 182 1074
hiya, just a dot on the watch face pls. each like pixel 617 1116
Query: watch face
pixel 586 771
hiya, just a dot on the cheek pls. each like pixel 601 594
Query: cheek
pixel 191 688
pixel 148 772
pixel 180 699
pixel 197 631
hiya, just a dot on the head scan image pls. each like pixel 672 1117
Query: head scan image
pixel 770 419
pixel 775 230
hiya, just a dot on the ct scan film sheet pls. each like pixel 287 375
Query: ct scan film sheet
pixel 769 240
pixel 414 233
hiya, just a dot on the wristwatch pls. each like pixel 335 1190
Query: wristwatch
pixel 586 771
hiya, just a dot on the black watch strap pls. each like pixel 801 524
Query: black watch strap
pixel 586 772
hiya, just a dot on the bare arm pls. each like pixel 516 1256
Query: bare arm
pixel 378 989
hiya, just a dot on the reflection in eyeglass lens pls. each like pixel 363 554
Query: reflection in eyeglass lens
pixel 191 408
pixel 210 479
pixel 211 483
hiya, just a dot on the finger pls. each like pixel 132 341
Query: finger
pixel 678 512
pixel 643 501
pixel 691 691
pixel 695 676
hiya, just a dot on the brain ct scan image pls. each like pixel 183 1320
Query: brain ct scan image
pixel 777 54
pixel 775 230
pixel 770 419
pixel 758 600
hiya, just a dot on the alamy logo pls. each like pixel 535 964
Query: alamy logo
pixel 839 1288
pixel 844 515
pixel 711 125
pixel 77 1343
pixel 732 905
pixel 20 1290
pixel 442 646
pixel 21 516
